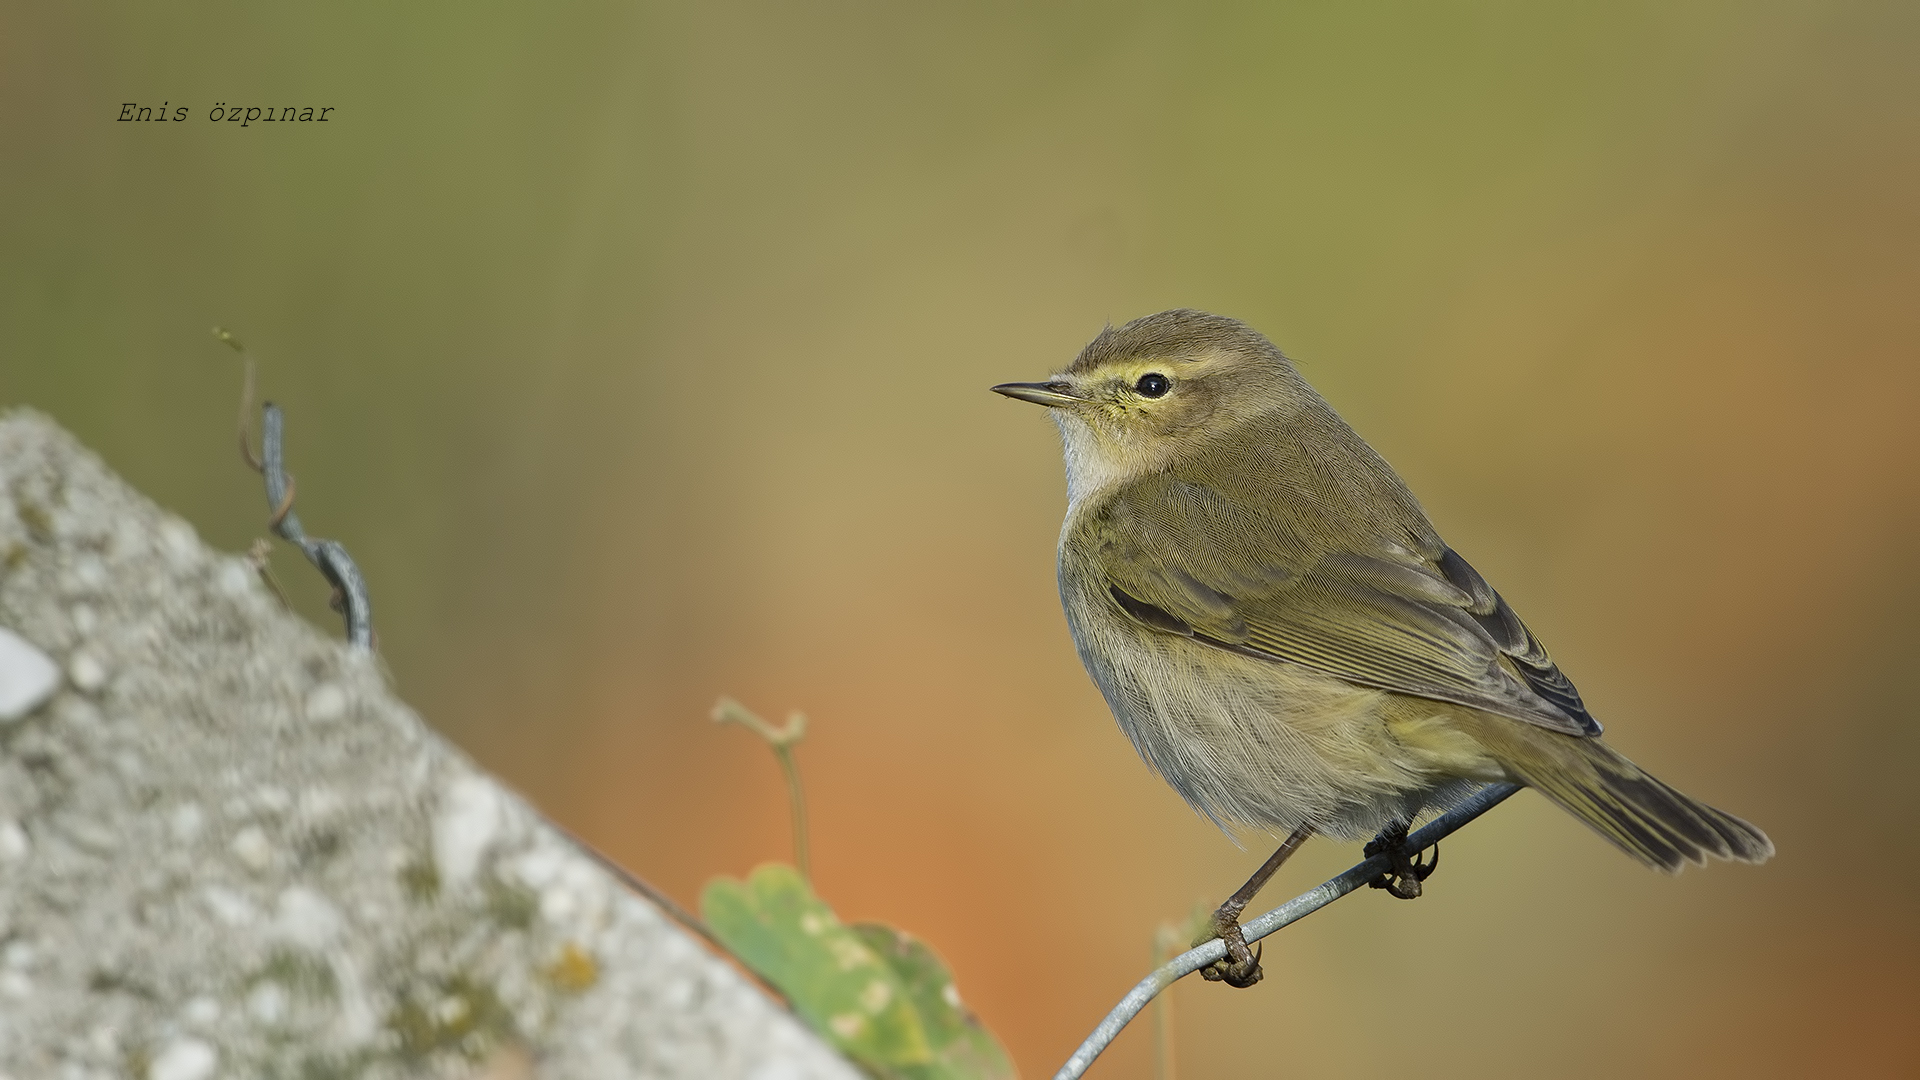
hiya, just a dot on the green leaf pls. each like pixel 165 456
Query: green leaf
pixel 962 1046
pixel 882 997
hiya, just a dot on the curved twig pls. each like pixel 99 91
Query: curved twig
pixel 1290 912
pixel 328 556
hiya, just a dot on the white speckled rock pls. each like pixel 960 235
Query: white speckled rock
pixel 28 677
pixel 227 850
pixel 184 1059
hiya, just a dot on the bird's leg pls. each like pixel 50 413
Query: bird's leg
pixel 1241 966
pixel 1409 870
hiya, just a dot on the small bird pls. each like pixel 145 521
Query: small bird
pixel 1284 636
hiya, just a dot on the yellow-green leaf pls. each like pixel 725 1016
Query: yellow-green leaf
pixel 963 1049
pixel 882 997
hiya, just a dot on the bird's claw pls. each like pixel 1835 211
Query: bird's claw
pixel 1409 869
pixel 1240 967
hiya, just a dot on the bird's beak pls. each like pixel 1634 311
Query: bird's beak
pixel 1051 394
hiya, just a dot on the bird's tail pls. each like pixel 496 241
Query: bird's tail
pixel 1620 800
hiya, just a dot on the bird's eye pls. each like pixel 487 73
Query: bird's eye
pixel 1153 384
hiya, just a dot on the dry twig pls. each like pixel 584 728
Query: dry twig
pixel 328 556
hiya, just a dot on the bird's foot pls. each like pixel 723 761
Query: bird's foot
pixel 1240 968
pixel 1408 870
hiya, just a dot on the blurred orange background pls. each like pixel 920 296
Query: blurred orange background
pixel 640 354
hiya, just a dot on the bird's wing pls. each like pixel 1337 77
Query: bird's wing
pixel 1393 618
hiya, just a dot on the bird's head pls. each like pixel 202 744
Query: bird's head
pixel 1140 395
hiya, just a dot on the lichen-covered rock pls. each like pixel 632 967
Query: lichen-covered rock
pixel 227 851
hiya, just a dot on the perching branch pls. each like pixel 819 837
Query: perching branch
pixel 328 556
pixel 1290 912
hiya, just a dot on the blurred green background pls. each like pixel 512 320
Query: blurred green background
pixel 640 354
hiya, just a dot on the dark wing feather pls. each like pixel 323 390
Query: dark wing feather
pixel 1393 618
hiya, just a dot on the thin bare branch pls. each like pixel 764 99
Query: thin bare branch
pixel 350 589
pixel 328 556
pixel 1286 914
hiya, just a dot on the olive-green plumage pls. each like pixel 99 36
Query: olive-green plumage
pixel 1280 630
